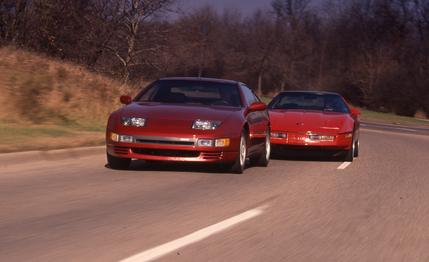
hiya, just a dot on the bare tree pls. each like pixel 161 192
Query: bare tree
pixel 293 41
pixel 199 35
pixel 133 13
pixel 13 19
pixel 261 44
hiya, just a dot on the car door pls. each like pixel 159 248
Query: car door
pixel 257 120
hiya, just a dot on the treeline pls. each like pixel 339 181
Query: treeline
pixel 375 52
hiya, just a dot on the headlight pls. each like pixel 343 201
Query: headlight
pixel 278 135
pixel 205 142
pixel 126 139
pixel 205 124
pixel 133 121
pixel 223 142
pixel 121 138
pixel 325 138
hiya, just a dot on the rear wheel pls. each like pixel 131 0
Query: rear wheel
pixel 117 162
pixel 240 162
pixel 263 159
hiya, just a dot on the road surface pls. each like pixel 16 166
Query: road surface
pixel 297 209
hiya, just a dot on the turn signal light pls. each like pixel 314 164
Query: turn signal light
pixel 224 142
pixel 114 137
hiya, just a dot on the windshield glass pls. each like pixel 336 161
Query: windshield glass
pixel 191 92
pixel 309 101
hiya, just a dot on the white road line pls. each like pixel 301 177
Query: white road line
pixel 159 251
pixel 344 165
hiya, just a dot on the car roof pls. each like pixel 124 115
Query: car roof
pixel 316 92
pixel 204 79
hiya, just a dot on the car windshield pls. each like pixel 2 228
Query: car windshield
pixel 191 92
pixel 309 101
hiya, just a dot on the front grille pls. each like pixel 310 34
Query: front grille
pixel 165 142
pixel 166 152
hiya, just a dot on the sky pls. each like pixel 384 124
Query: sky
pixel 245 6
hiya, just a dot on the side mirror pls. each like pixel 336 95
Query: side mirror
pixel 257 106
pixel 355 112
pixel 125 100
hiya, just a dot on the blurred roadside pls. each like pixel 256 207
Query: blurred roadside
pixel 51 104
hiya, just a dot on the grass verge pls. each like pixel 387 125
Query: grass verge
pixel 387 118
pixel 21 137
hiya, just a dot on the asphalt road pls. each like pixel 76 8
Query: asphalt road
pixel 297 209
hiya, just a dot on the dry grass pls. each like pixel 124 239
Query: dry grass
pixel 47 103
pixel 44 90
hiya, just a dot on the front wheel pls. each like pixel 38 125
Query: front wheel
pixel 356 153
pixel 263 159
pixel 350 154
pixel 118 163
pixel 240 162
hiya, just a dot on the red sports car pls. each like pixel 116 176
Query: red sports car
pixel 308 119
pixel 192 120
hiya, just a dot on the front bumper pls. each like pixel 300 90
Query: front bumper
pixel 176 149
pixel 338 141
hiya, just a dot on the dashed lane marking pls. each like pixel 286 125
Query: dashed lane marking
pixel 164 249
pixel 344 165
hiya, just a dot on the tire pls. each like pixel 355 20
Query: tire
pixel 240 162
pixel 263 159
pixel 356 154
pixel 349 154
pixel 118 163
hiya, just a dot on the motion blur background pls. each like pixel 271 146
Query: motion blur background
pixel 65 62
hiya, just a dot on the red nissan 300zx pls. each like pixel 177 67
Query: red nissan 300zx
pixel 309 119
pixel 190 120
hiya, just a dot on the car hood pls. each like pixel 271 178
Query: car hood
pixel 162 117
pixel 313 121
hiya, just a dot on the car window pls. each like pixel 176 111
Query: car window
pixel 309 101
pixel 192 92
pixel 249 95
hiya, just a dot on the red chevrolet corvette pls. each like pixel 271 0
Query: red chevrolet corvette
pixel 307 119
pixel 192 120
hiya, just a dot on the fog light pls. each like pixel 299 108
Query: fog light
pixel 224 142
pixel 205 142
pixel 348 135
pixel 126 139
pixel 114 137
